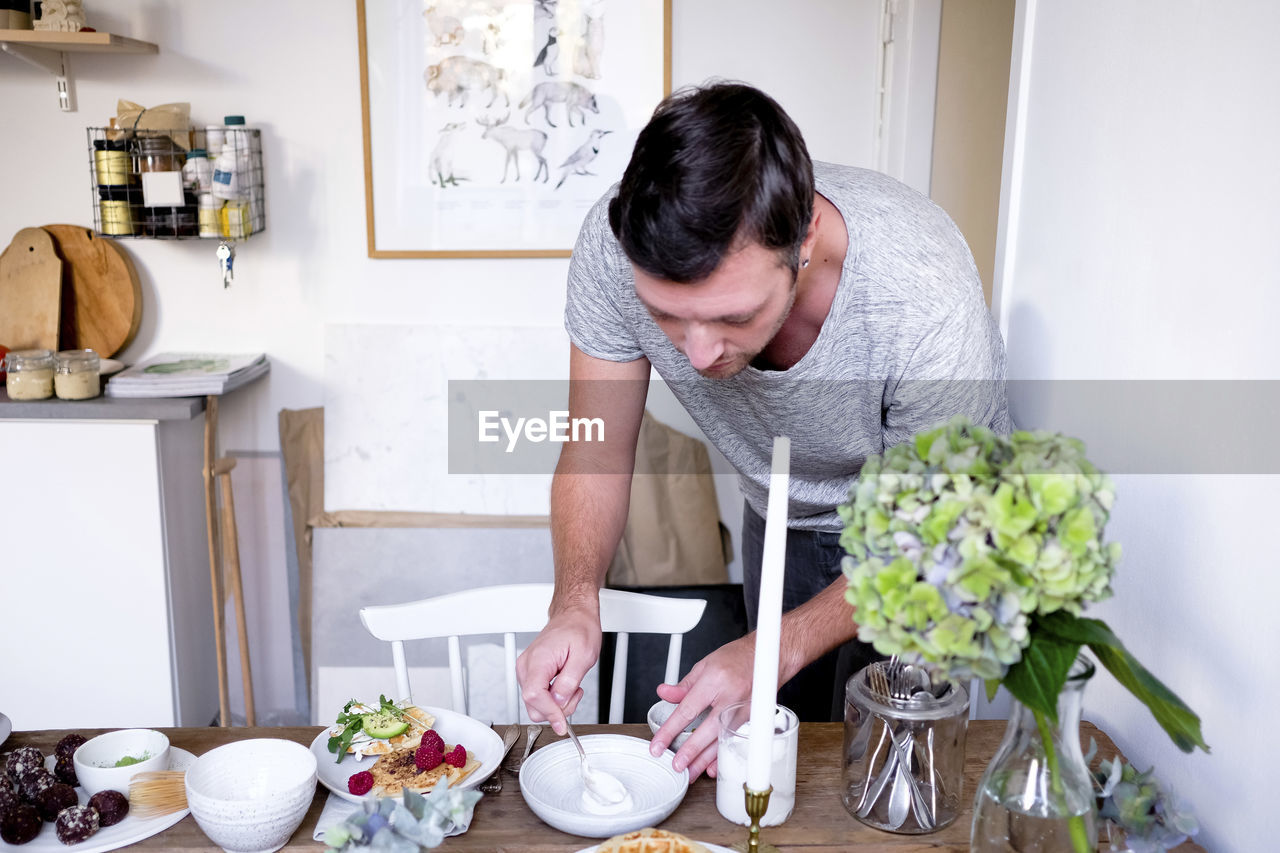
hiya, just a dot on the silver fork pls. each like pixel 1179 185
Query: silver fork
pixel 493 784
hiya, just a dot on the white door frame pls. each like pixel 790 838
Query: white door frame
pixel 907 79
pixel 1015 135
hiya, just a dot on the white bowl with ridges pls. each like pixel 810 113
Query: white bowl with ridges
pixel 250 796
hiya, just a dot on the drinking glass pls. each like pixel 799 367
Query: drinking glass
pixel 731 762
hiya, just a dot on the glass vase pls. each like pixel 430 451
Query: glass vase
pixel 1036 795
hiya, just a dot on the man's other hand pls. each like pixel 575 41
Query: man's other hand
pixel 717 681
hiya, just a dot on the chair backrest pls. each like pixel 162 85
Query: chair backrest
pixel 522 608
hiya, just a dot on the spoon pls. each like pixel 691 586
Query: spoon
pixel 604 787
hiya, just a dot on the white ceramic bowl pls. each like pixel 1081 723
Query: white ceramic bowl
pixel 658 715
pixel 95 759
pixel 251 795
pixel 551 783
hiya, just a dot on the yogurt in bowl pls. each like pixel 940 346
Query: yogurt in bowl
pixel 552 785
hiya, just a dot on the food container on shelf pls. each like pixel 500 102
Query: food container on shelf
pixel 30 374
pixel 76 374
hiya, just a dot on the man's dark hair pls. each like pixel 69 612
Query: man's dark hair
pixel 715 168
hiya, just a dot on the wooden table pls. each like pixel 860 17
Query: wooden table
pixel 504 824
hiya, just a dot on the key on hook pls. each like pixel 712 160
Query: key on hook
pixel 226 257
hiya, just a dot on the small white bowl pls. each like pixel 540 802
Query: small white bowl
pixel 95 759
pixel 551 784
pixel 250 796
pixel 658 715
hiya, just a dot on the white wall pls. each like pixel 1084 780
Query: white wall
pixel 1145 248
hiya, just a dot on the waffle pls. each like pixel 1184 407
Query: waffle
pixel 394 772
pixel 650 840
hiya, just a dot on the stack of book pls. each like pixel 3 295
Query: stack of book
pixel 187 374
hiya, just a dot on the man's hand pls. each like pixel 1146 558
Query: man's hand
pixel 553 666
pixel 718 680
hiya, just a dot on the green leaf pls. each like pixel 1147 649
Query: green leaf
pixel 1179 721
pixel 1037 679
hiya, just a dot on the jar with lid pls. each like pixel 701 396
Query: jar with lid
pixel 197 172
pixel 159 154
pixel 110 162
pixel 76 374
pixel 30 374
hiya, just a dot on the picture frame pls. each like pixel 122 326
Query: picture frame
pixel 491 127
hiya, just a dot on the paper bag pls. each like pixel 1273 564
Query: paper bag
pixel 172 120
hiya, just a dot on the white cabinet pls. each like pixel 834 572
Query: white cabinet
pixel 105 614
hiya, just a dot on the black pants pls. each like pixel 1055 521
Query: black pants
pixel 816 693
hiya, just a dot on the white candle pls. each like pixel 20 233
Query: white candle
pixel 764 679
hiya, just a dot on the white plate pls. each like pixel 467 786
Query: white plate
pixel 5 727
pixel 551 783
pixel 128 831
pixel 455 728
pixel 109 366
pixel 713 848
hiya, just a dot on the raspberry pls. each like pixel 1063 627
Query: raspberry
pixel 458 757
pixel 427 758
pixel 360 783
pixel 433 740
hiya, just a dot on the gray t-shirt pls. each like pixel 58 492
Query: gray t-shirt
pixel 908 343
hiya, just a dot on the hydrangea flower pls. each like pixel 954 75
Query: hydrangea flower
pixel 407 825
pixel 958 538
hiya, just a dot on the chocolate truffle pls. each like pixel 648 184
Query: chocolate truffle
pixel 22 761
pixel 54 799
pixel 30 785
pixel 68 745
pixel 76 823
pixel 64 769
pixel 20 825
pixel 112 806
pixel 8 800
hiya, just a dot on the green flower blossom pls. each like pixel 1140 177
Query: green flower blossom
pixel 959 537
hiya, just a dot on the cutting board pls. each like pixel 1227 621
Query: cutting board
pixel 30 288
pixel 101 296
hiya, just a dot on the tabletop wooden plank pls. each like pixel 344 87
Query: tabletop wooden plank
pixel 504 824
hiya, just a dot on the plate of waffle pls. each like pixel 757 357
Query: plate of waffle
pixel 469 751
pixel 651 840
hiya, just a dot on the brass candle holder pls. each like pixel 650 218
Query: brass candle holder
pixel 757 805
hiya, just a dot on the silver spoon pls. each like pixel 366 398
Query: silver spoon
pixel 604 787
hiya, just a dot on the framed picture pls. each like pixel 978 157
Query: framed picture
pixel 492 126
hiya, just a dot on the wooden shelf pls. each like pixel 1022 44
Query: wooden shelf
pixel 77 42
pixel 48 49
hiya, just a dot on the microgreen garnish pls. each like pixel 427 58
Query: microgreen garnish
pixel 353 723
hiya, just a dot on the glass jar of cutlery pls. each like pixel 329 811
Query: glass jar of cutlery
pixel 904 739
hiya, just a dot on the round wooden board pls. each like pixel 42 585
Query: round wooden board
pixel 101 296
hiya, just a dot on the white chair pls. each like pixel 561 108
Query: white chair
pixel 522 608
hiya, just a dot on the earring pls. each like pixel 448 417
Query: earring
pixel 804 263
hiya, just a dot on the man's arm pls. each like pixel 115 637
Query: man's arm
pixel 590 495
pixel 724 676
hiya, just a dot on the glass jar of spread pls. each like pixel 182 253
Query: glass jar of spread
pixel 75 375
pixel 30 374
pixel 159 154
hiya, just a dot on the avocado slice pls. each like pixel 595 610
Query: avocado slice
pixel 383 725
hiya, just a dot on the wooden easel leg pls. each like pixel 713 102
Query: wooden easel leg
pixel 231 554
pixel 215 575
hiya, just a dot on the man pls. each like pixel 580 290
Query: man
pixel 829 304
